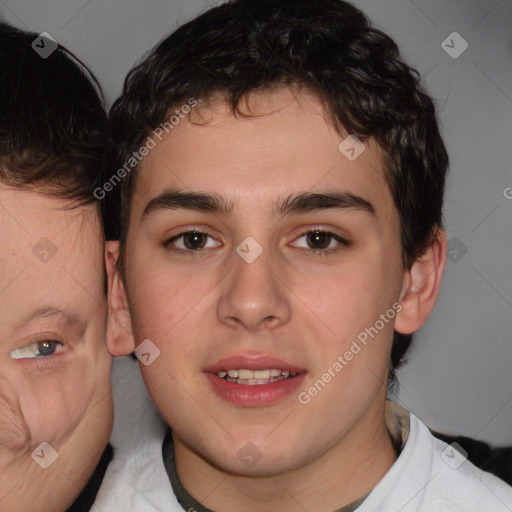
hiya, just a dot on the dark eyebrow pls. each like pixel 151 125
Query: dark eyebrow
pixel 214 203
pixel 201 202
pixel 310 202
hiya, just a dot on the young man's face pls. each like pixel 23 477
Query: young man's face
pixel 54 366
pixel 295 307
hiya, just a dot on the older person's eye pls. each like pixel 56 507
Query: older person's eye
pixel 39 349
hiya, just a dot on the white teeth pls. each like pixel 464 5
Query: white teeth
pixel 261 374
pixel 254 377
pixel 254 382
pixel 245 374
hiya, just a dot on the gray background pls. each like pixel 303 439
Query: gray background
pixel 459 378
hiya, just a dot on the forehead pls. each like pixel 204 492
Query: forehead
pixel 47 254
pixel 285 144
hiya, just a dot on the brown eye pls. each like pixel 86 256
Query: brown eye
pixel 194 240
pixel 191 241
pixel 319 239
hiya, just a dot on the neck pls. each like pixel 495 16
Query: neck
pixel 345 473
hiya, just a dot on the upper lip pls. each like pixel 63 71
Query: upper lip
pixel 252 362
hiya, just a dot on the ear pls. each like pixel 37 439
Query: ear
pixel 421 286
pixel 120 341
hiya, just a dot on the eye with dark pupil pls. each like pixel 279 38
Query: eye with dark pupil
pixel 194 240
pixel 46 348
pixel 318 239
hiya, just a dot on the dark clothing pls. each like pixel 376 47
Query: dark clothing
pixel 86 499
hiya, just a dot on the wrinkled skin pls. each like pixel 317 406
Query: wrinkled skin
pixel 62 397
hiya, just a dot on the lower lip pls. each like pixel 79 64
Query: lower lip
pixel 254 396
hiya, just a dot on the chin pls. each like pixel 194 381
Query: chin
pixel 253 457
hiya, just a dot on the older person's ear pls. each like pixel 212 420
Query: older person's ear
pixel 120 341
pixel 421 286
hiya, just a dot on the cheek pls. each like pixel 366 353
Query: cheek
pixel 14 431
pixel 163 301
pixel 54 403
pixel 344 301
pixel 341 311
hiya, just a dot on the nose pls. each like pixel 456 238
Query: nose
pixel 253 297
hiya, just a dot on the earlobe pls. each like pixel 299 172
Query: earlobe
pixel 421 286
pixel 119 335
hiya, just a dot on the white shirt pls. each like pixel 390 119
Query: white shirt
pixel 135 480
pixel 428 475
